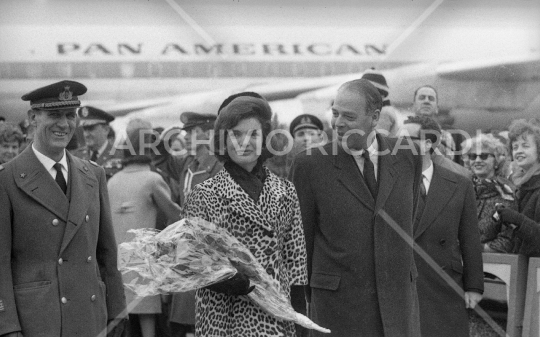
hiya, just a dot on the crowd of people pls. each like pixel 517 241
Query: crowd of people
pixel 370 226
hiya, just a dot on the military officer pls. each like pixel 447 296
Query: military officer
pixel 201 164
pixel 58 253
pixel 96 128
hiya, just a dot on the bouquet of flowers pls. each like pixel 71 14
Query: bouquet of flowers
pixel 194 253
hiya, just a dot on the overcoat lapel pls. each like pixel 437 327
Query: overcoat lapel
pixel 441 189
pixel 82 185
pixel 32 178
pixel 349 176
pixel 387 173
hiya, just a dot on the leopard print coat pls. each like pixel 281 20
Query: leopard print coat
pixel 272 229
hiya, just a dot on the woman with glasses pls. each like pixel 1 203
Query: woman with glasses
pixel 525 146
pixel 486 156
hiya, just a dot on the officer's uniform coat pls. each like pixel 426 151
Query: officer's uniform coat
pixel 58 258
pixel 112 163
pixel 447 231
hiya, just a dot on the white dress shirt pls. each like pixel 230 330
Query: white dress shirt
pixel 427 175
pixel 48 163
pixel 373 149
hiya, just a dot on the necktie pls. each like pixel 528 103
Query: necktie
pixel 369 174
pixel 60 180
pixel 421 202
pixel 94 156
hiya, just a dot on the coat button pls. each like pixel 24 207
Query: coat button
pixel 64 300
pixel 442 242
pixel 60 261
pixel 89 259
pixel 55 222
pixel 87 218
pixel 93 298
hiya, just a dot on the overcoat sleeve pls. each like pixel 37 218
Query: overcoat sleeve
pixel 106 254
pixel 469 242
pixel 301 178
pixel 161 194
pixel 9 320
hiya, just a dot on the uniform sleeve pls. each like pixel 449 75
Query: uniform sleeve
pixel 469 242
pixel 161 194
pixel 106 254
pixel 294 253
pixel 9 320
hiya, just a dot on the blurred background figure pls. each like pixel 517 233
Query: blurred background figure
pixel 486 157
pixel 137 195
pixel 306 130
pixel 524 139
pixel 198 166
pixel 11 138
pixel 388 120
pixel 98 147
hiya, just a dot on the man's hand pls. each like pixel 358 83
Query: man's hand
pixel 471 299
pixel 116 326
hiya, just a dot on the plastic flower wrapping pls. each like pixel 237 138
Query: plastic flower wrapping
pixel 194 253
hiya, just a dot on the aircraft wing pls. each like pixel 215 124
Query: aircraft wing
pixel 210 100
pixel 510 69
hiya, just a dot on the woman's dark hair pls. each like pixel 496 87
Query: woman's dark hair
pixel 243 108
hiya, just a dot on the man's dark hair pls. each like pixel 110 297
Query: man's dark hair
pixel 232 97
pixel 429 129
pixel 427 86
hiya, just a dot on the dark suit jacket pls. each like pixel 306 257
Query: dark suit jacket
pixel 361 269
pixel 58 266
pixel 448 232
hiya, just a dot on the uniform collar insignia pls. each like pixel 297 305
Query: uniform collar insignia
pixel 23 175
pixel 66 95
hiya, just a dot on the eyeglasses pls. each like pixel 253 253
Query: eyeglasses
pixel 483 155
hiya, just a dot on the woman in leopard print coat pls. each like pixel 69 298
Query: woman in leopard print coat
pixel 260 209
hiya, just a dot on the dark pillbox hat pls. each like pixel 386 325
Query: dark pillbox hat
pixel 91 116
pixel 60 95
pixel 193 119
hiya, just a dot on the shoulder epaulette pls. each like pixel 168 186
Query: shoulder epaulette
pixel 94 163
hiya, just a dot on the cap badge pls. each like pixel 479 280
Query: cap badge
pixel 84 112
pixel 66 95
pixel 306 120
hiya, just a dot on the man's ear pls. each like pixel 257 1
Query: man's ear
pixel 375 117
pixel 32 117
pixel 429 144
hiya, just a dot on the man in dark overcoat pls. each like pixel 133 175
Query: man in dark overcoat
pixel 357 197
pixel 58 255
pixel 449 260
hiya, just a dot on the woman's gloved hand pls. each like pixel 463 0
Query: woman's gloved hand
pixel 235 286
pixel 510 216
